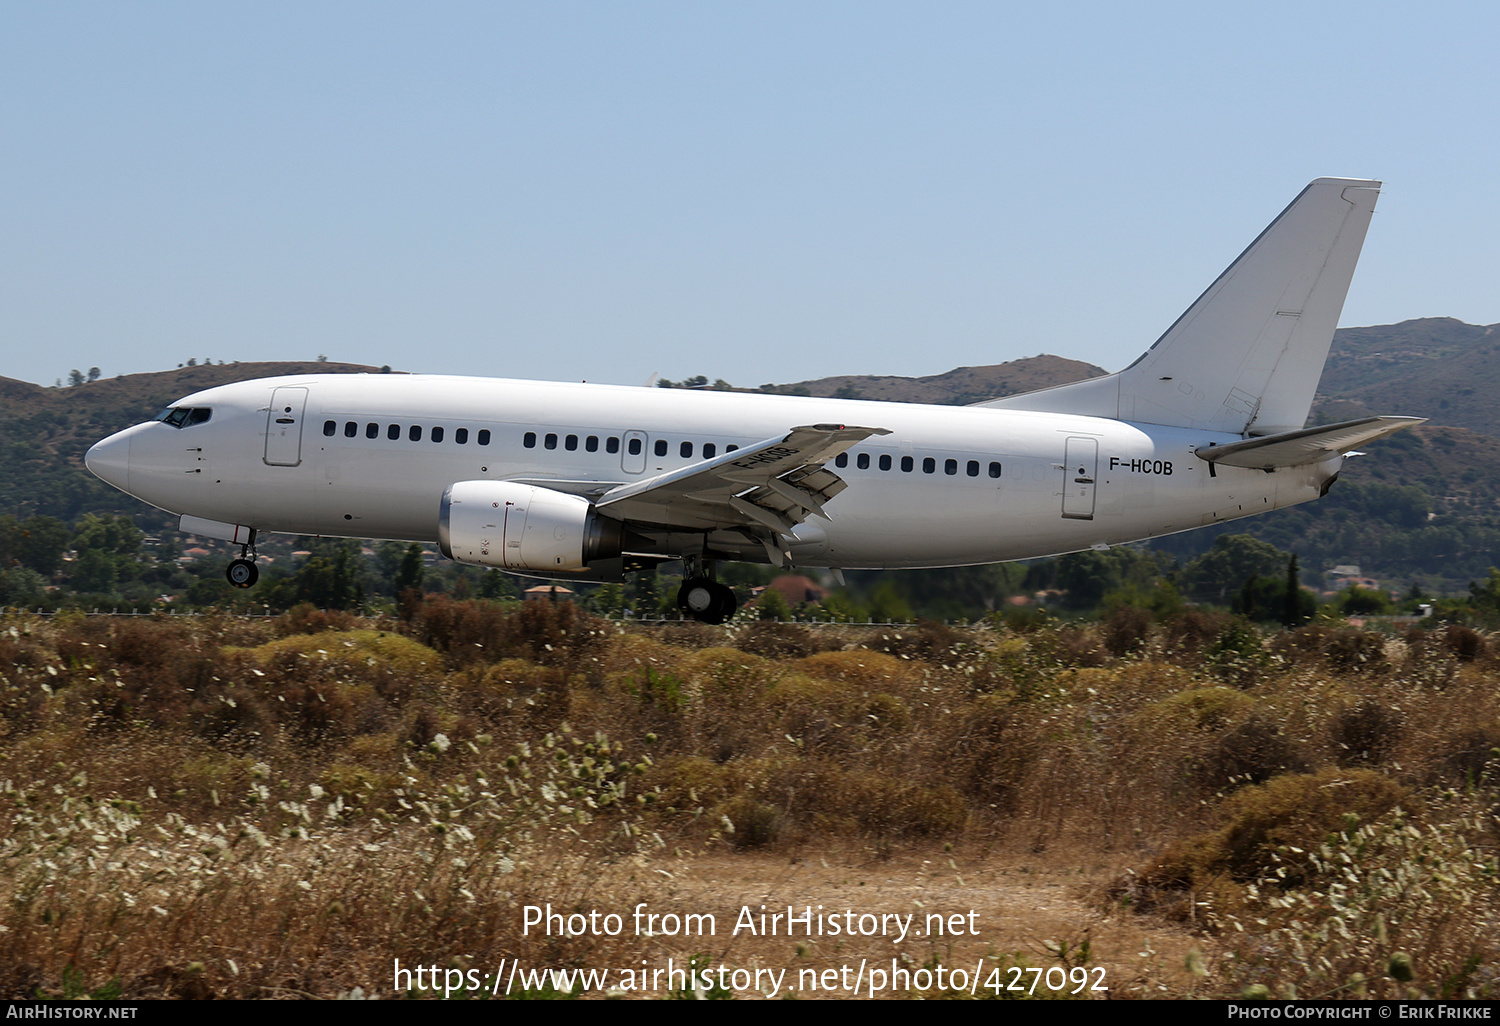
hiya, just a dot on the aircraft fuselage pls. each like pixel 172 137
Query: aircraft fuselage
pixel 369 456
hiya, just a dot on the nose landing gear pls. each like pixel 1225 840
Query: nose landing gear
pixel 242 572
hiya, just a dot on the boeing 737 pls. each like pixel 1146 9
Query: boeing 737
pixel 591 482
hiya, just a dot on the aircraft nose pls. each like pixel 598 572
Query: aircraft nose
pixel 109 460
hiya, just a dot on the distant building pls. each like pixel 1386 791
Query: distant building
pixel 548 593
pixel 1347 575
pixel 796 589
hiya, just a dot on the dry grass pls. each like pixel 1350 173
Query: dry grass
pixel 250 809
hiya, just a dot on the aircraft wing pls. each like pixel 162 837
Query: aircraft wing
pixel 771 486
pixel 1309 445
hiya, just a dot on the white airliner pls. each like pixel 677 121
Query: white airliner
pixel 591 482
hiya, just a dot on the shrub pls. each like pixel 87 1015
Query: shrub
pixel 1265 829
pixel 1365 734
pixel 1391 909
pixel 1126 630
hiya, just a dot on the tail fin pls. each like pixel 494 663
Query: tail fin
pixel 1246 357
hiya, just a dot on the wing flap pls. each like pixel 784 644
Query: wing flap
pixel 773 485
pixel 1309 445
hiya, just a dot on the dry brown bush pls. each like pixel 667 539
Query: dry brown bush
pixel 1263 831
pixel 1038 741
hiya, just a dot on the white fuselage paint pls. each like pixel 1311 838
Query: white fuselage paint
pixel 1147 481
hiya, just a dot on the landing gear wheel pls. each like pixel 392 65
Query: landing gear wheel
pixel 242 573
pixel 706 601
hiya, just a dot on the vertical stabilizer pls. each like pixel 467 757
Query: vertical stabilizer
pixel 1246 357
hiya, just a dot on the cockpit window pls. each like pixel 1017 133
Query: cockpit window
pixel 185 416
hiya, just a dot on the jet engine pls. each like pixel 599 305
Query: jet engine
pixel 517 526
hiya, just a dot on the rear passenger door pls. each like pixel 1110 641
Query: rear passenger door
pixel 1080 473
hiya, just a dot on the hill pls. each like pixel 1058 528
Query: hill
pixel 1421 508
pixel 957 387
pixel 44 432
pixel 1433 367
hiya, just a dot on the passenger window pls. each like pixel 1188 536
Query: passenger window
pixel 484 436
pixel 710 450
pixel 330 428
pixel 906 464
pixel 571 443
pixel 885 461
pixel 928 465
pixel 437 434
pixel 530 440
pixel 841 460
pixel 635 447
pixel 461 436
pixel 863 461
pixel 350 429
pixel 591 443
pixel 661 447
pixel 612 444
pixel 685 450
pixel 414 433
pixel 973 468
pixel 995 470
pixel 550 441
pixel 372 430
pixel 950 466
pixel 731 447
pixel 393 432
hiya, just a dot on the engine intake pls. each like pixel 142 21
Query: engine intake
pixel 522 527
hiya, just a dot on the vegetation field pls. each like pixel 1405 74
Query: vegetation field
pixel 216 806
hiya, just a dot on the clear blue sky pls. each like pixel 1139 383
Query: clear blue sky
pixel 754 191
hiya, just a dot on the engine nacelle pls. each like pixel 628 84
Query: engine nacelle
pixel 522 527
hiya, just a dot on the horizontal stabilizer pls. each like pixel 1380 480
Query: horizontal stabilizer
pixel 1309 445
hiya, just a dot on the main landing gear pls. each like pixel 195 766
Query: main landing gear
pixel 702 597
pixel 242 572
pixel 705 600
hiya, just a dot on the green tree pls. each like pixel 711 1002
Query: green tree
pixel 108 553
pixel 1087 577
pixel 331 579
pixel 608 599
pixel 36 543
pixel 644 593
pixel 1223 570
pixel 496 584
pixel 22 587
pixel 772 606
pixel 1486 596
pixel 886 604
pixel 1357 601
pixel 1291 611
pixel 1267 600
pixel 409 574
